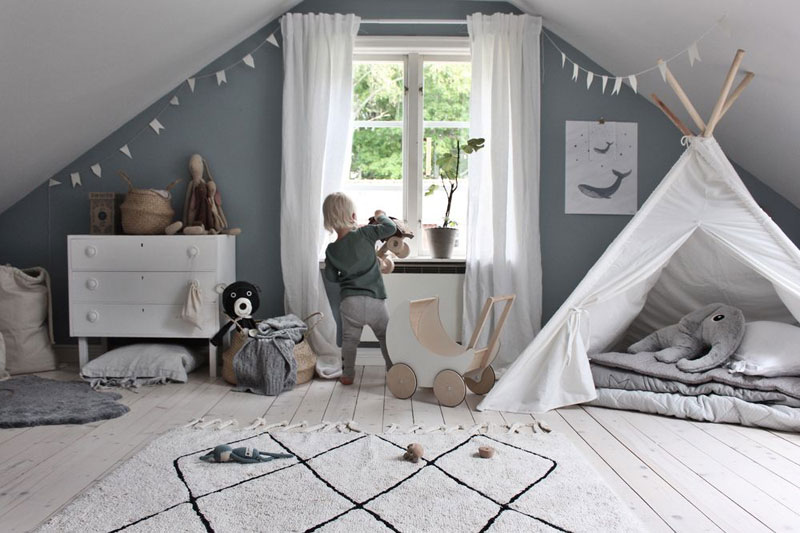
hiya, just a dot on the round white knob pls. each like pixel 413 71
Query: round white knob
pixel 91 284
pixel 91 251
pixel 92 316
pixel 193 251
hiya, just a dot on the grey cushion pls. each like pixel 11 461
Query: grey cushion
pixel 139 364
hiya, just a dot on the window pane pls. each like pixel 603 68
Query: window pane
pixel 447 89
pixel 376 172
pixel 378 90
pixel 436 142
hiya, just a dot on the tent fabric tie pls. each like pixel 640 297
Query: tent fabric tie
pixel 573 330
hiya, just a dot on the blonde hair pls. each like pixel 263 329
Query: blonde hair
pixel 337 212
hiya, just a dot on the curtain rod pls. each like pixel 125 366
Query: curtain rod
pixel 414 21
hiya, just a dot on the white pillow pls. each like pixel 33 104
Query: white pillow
pixel 141 364
pixel 769 349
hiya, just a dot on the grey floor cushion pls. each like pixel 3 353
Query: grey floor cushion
pixel 33 401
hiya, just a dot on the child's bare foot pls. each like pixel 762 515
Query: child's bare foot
pixel 344 380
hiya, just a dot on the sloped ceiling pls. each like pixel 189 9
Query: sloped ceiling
pixel 761 132
pixel 73 72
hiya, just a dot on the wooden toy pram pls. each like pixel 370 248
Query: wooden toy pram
pixel 424 355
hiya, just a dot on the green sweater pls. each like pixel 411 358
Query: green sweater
pixel 351 260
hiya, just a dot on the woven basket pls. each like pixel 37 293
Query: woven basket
pixel 305 356
pixel 145 211
pixel 238 339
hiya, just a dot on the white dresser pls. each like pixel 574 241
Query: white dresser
pixel 136 285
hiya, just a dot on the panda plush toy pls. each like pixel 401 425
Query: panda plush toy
pixel 239 301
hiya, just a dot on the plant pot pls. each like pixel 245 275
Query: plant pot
pixel 441 241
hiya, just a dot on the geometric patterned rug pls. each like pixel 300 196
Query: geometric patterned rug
pixel 351 482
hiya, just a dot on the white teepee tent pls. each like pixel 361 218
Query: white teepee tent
pixel 699 238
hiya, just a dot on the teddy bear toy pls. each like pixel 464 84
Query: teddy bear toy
pixel 702 340
pixel 239 301
pixel 396 244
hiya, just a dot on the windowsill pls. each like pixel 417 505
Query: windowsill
pixel 408 261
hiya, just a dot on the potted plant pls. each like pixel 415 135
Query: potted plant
pixel 442 238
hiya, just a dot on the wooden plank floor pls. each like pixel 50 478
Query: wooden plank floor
pixel 675 475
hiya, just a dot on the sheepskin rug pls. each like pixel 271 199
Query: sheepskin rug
pixel 351 482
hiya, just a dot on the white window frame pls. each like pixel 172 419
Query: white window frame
pixel 413 51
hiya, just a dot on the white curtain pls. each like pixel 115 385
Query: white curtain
pixel 317 96
pixel 503 253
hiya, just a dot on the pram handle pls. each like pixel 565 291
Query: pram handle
pixel 484 318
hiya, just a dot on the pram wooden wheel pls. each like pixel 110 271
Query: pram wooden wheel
pixel 484 384
pixel 449 388
pixel 401 380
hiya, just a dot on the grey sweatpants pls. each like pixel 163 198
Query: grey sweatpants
pixel 357 312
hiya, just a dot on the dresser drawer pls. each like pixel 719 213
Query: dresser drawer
pixel 110 320
pixel 139 287
pixel 146 253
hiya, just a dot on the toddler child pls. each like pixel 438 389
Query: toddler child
pixel 351 262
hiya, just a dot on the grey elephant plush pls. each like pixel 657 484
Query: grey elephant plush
pixel 718 326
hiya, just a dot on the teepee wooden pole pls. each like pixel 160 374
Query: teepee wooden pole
pixel 670 115
pixel 723 96
pixel 748 77
pixel 683 98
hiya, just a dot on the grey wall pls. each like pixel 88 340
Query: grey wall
pixel 237 128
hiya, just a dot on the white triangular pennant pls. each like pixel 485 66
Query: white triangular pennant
pixel 694 54
pixel 248 60
pixel 221 77
pixel 157 126
pixel 617 86
pixel 174 100
pixel 127 151
pixel 53 183
pixel 191 82
pixel 662 67
pixel 563 59
pixel 575 70
pixel 97 170
pixel 634 85
pixel 605 81
pixel 273 41
pixel 75 177
pixel 589 79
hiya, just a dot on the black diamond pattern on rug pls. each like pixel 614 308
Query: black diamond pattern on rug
pixel 308 494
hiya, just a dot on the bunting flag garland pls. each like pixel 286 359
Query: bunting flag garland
pixel 662 67
pixel 617 86
pixel 634 84
pixel 155 124
pixel 692 53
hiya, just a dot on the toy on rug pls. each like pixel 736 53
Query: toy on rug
pixel 225 454
pixel 202 207
pixel 414 452
pixel 396 244
pixel 718 326
pixel 486 452
pixel 239 301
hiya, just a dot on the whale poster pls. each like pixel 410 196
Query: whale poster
pixel 601 168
